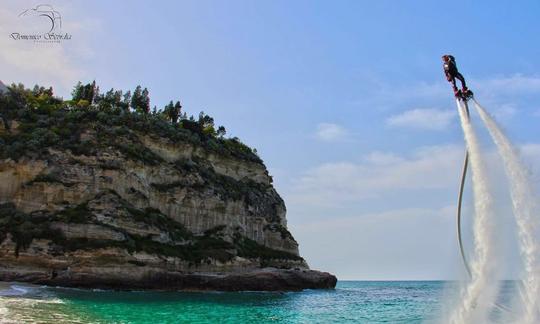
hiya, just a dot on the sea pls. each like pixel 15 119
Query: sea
pixel 349 302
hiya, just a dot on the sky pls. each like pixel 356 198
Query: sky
pixel 345 101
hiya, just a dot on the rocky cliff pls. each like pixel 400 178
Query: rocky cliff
pixel 95 196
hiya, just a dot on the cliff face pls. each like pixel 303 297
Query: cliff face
pixel 128 208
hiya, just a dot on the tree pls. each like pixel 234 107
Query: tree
pixel 221 131
pixel 117 99
pixel 205 120
pixel 145 101
pixel 177 109
pixel 76 94
pixel 95 95
pixel 206 123
pixel 136 98
pixel 109 96
pixel 87 92
pixel 167 110
pixel 140 101
pixel 105 101
pixel 172 111
pixel 126 101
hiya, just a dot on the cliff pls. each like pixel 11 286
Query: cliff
pixel 101 197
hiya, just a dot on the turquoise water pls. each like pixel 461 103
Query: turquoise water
pixel 351 301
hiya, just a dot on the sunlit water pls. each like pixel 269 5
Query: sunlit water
pixel 351 301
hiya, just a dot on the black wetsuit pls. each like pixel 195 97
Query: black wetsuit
pixel 451 71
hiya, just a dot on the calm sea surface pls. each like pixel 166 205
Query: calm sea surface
pixel 350 302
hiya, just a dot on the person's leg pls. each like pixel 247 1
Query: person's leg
pixel 453 81
pixel 462 79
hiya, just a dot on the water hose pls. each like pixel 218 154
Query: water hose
pixel 460 201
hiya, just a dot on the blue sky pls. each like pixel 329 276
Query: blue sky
pixel 345 101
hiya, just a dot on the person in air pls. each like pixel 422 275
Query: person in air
pixel 451 72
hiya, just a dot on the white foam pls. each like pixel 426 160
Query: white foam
pixel 526 212
pixel 478 296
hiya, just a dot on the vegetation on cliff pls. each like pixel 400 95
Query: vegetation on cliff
pixel 46 121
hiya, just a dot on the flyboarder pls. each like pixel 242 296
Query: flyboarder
pixel 452 73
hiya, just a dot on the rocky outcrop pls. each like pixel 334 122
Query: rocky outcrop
pixel 145 212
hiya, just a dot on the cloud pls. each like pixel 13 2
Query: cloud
pixel 383 158
pixel 386 174
pixel 517 84
pixel 331 132
pixel 424 119
pixel 337 183
pixel 505 111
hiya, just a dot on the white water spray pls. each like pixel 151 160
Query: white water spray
pixel 478 296
pixel 525 208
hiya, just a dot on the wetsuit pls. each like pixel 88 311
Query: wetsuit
pixel 451 71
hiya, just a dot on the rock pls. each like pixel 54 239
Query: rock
pixel 87 231
pixel 257 280
pixel 144 212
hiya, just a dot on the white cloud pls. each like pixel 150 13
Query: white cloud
pixel 334 184
pixel 331 132
pixel 383 158
pixel 380 174
pixel 505 111
pixel 515 84
pixel 426 119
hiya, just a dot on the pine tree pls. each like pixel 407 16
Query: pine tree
pixel 126 101
pixel 96 93
pixel 177 109
pixel 136 99
pixel 168 111
pixel 76 94
pixel 145 101
pixel 117 101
